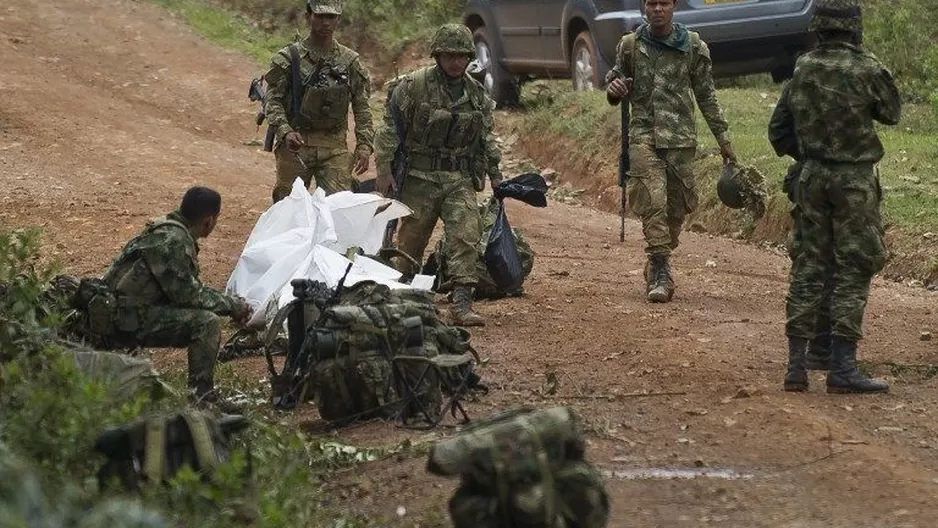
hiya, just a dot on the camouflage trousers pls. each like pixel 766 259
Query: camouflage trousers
pixel 841 247
pixel 453 200
pixel 199 330
pixel 661 192
pixel 329 168
pixel 795 236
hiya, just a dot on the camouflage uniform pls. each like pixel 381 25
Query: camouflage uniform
pixel 668 76
pixel 837 191
pixel 162 303
pixel 333 78
pixel 450 147
pixel 783 139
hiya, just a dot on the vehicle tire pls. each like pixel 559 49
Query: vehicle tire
pixel 501 86
pixel 584 65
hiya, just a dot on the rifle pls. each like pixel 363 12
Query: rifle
pixel 624 165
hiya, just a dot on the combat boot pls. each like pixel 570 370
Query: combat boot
pixel 844 377
pixel 796 379
pixel 203 395
pixel 461 310
pixel 661 287
pixel 819 352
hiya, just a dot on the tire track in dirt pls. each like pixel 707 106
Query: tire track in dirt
pixel 117 107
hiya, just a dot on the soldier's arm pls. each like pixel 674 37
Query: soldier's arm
pixel 782 127
pixel 620 68
pixel 175 269
pixel 887 104
pixel 493 155
pixel 360 84
pixel 386 139
pixel 278 90
pixel 706 95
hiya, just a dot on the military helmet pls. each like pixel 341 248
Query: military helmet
pixel 452 38
pixel 842 15
pixel 742 188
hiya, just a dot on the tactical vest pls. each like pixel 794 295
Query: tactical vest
pixel 326 94
pixel 442 136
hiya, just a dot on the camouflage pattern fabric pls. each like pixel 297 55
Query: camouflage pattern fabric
pixel 455 203
pixel 452 38
pixel 329 168
pixel 668 76
pixel 751 185
pixel 160 300
pixel 522 467
pixel 662 191
pixel 485 288
pixel 333 79
pixel 23 503
pixel 130 375
pixel 326 7
pixel 840 232
pixel 842 15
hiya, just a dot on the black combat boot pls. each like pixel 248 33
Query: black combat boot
pixel 461 309
pixel 796 379
pixel 819 352
pixel 844 377
pixel 202 394
pixel 661 287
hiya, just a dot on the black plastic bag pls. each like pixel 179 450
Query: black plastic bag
pixel 530 188
pixel 501 253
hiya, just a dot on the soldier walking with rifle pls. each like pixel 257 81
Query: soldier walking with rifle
pixel 661 70
pixel 434 153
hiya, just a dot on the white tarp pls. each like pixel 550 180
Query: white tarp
pixel 306 235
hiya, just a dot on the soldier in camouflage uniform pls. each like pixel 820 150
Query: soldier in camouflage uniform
pixel 160 300
pixel 660 70
pixel 783 140
pixel 310 142
pixel 447 124
pixel 836 94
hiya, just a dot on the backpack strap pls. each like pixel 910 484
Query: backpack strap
pixel 296 85
pixel 201 440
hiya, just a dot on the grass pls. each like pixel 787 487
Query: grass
pixel 588 129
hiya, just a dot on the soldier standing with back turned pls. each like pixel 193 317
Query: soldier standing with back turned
pixel 661 69
pixel 310 141
pixel 835 95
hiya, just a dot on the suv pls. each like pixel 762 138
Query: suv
pixel 517 40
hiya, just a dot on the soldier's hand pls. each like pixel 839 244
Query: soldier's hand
pixel 294 140
pixel 385 185
pixel 619 88
pixel 361 162
pixel 242 313
pixel 726 150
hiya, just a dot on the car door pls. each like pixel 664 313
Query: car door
pixel 518 25
pixel 739 20
pixel 550 18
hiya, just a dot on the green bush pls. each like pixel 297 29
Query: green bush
pixel 903 35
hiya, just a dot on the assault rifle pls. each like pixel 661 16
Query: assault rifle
pixel 624 163
pixel 398 166
pixel 257 92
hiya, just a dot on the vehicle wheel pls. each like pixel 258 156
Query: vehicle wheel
pixel 499 84
pixel 584 69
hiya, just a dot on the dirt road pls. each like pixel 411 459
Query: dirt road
pixel 113 108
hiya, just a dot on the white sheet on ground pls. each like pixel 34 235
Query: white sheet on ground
pixel 305 236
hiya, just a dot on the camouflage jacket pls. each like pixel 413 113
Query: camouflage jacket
pixel 782 127
pixel 160 267
pixel 836 93
pixel 424 100
pixel 332 80
pixel 668 76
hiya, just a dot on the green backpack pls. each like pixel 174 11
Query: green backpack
pixel 370 351
pixel 523 467
pixel 486 288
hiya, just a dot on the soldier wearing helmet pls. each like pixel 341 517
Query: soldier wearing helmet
pixel 661 71
pixel 311 139
pixel 442 119
pixel 836 94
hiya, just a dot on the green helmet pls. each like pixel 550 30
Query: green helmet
pixel 742 188
pixel 842 15
pixel 452 38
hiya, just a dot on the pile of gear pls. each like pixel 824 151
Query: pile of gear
pixel 369 351
pixel 522 467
